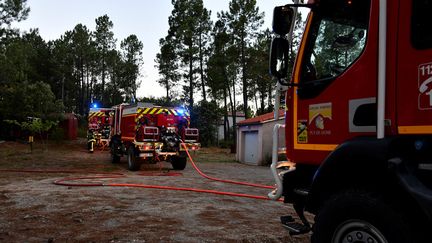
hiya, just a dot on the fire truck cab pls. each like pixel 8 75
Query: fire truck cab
pixel 358 120
pixel 148 133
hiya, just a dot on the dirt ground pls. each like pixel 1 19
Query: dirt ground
pixel 33 209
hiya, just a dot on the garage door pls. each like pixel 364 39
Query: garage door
pixel 251 147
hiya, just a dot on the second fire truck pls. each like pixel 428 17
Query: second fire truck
pixel 146 133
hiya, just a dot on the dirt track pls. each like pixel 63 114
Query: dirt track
pixel 33 209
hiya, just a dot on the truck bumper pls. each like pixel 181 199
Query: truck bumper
pixel 145 155
pixel 190 146
pixel 296 184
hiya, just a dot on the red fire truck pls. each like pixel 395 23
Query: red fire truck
pixel 148 133
pixel 358 120
pixel 99 127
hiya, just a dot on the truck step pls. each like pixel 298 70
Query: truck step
pixel 286 219
pixel 296 228
pixel 302 191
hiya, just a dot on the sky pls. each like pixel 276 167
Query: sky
pixel 148 19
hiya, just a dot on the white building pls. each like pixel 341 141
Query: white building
pixel 239 117
pixel 255 138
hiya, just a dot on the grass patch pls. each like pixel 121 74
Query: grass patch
pixel 213 155
pixel 110 169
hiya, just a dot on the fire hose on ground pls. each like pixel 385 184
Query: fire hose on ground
pixel 71 181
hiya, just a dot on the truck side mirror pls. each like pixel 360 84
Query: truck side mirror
pixel 279 58
pixel 282 19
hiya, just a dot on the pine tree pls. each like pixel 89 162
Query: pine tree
pixel 132 57
pixel 167 64
pixel 244 20
pixel 105 42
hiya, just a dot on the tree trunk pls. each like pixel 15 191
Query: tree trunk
pixel 191 101
pixel 91 88
pixel 227 88
pixel 270 95
pixel 103 76
pixel 226 122
pixel 234 114
pixel 82 108
pixel 87 89
pixel 202 68
pixel 243 64
pixel 256 100
pixel 167 89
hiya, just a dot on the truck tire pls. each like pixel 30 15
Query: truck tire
pixel 114 157
pixel 178 163
pixel 115 143
pixel 133 164
pixel 359 217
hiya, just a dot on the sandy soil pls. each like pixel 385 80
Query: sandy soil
pixel 33 209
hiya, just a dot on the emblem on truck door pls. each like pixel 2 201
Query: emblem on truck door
pixel 425 86
pixel 319 115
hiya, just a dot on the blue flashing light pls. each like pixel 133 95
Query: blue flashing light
pixel 95 105
pixel 180 111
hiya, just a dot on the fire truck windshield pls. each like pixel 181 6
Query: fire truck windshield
pixel 336 38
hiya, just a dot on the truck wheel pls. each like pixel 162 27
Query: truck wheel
pixel 358 217
pixel 178 163
pixel 114 157
pixel 133 164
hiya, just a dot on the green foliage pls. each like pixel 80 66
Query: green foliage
pixel 132 57
pixel 10 11
pixel 204 116
pixel 260 79
pixel 105 42
pixel 167 64
pixel 37 126
pixel 57 134
pixel 34 125
pixel 249 110
pixel 84 66
pixel 162 101
pixel 81 67
pixel 189 32
pixel 226 143
pixel 20 101
pixel 244 19
pixel 223 70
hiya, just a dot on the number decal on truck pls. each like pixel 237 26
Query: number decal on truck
pixel 425 86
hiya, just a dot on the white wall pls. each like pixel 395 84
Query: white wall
pixel 268 139
pixel 265 140
pixel 220 134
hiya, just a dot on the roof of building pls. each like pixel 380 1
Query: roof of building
pixel 260 119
